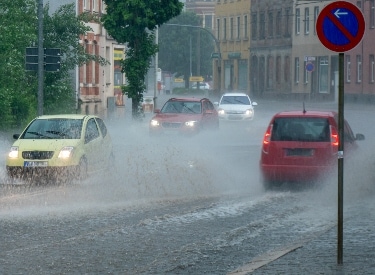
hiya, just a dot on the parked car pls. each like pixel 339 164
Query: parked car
pixel 235 107
pixel 302 146
pixel 202 86
pixel 185 116
pixel 60 148
pixel 148 104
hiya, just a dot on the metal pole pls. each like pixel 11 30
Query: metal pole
pixel 156 65
pixel 340 162
pixel 40 58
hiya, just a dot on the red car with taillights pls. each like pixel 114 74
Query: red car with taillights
pixel 302 146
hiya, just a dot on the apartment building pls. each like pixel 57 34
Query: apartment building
pixel 232 31
pixel 98 87
pixel 271 47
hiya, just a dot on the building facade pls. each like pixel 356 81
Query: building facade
pixel 286 58
pixel 271 47
pixel 98 87
pixel 232 31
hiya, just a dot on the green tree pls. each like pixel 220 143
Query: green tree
pixel 18 30
pixel 175 53
pixel 133 22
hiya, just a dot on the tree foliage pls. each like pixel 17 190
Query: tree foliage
pixel 175 53
pixel 133 22
pixel 19 30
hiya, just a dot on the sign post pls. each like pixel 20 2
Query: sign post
pixel 340 27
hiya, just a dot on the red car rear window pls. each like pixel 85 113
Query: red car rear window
pixel 309 129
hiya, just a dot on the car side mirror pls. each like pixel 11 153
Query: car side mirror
pixel 254 104
pixel 16 136
pixel 156 111
pixel 359 137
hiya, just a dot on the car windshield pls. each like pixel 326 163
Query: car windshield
pixel 243 100
pixel 56 128
pixel 188 107
pixel 300 129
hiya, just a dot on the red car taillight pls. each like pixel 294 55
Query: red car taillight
pixel 267 139
pixel 334 136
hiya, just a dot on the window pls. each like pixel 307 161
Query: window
pixel 262 26
pixel 270 24
pixel 86 5
pixel 208 21
pixel 307 21
pixel 238 27
pixel 296 70
pixel 359 68
pixel 347 61
pixel 316 13
pixel 287 22
pixel 278 69
pixel 231 28
pixel 245 27
pixel 95 5
pixel 371 63
pixel 372 15
pixel 297 23
pixel 287 69
pixel 270 70
pixel 254 27
pixel 278 23
pixel 218 29
pixel 323 74
pixel 359 4
pixel 92 131
pixel 225 29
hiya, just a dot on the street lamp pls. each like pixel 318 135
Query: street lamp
pixel 217 42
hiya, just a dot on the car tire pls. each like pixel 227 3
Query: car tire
pixel 82 170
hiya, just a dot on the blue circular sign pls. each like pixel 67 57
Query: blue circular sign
pixel 310 67
pixel 340 26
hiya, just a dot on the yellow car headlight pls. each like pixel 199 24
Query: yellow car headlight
pixel 66 152
pixel 13 154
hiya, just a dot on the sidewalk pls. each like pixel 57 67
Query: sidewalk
pixel 319 255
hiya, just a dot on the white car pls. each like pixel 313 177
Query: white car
pixel 202 86
pixel 235 107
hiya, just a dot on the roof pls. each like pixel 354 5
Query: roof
pixel 235 94
pixel 196 99
pixel 68 116
pixel 306 113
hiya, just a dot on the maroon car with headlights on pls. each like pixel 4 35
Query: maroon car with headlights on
pixel 302 146
pixel 184 116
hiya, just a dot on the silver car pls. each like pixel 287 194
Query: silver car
pixel 235 107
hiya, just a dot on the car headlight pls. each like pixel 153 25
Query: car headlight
pixel 154 123
pixel 249 112
pixel 66 152
pixel 221 112
pixel 13 152
pixel 190 123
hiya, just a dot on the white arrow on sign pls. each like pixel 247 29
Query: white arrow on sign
pixel 338 13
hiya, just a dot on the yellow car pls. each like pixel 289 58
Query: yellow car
pixel 60 148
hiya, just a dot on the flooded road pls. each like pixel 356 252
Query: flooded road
pixel 173 206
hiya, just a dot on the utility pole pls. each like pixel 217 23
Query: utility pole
pixel 40 58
